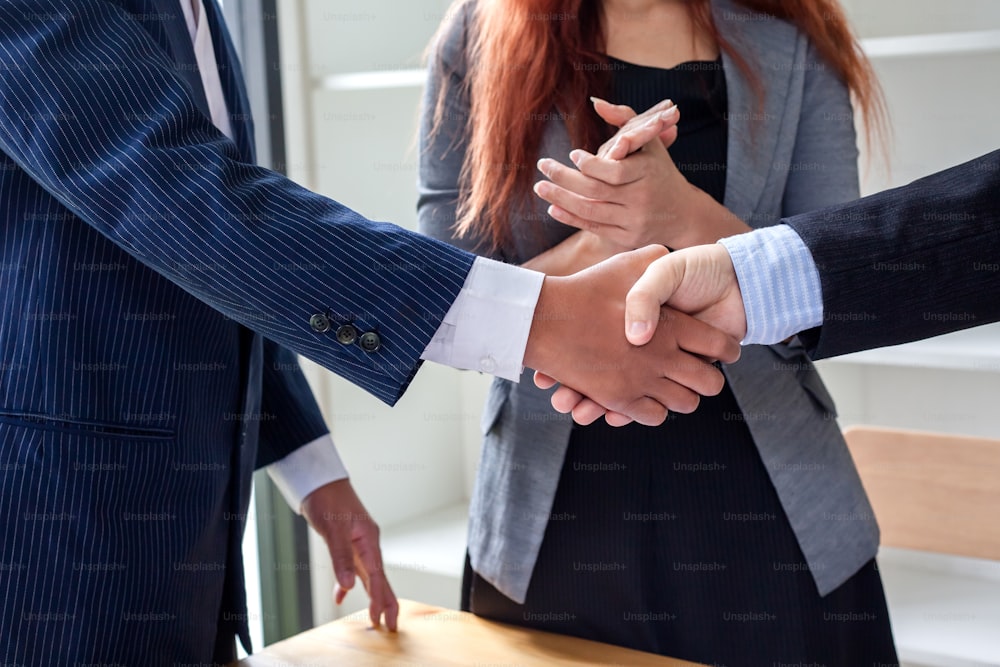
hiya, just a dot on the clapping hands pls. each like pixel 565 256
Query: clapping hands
pixel 630 192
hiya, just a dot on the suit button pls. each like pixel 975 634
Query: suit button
pixel 320 323
pixel 346 334
pixel 370 341
pixel 488 364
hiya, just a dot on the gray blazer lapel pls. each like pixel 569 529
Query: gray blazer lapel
pixel 754 127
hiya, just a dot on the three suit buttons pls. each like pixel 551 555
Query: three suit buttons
pixel 346 334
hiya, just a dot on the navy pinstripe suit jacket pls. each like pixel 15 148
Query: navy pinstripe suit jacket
pixel 150 272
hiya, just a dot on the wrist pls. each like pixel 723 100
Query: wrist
pixel 537 353
pixel 703 220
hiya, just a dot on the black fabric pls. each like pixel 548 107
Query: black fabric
pixel 908 263
pixel 672 539
pixel 698 88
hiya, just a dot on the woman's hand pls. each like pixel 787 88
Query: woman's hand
pixel 631 192
pixel 636 130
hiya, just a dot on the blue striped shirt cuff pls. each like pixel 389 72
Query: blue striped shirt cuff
pixel 782 294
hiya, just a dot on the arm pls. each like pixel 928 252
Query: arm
pixel 895 267
pixel 889 269
pixel 94 111
pixel 115 145
pixel 931 248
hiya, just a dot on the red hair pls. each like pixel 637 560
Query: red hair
pixel 530 58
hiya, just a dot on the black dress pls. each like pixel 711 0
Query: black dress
pixel 672 539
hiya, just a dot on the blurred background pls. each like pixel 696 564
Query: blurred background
pixel 337 86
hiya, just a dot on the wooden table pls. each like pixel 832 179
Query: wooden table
pixel 435 636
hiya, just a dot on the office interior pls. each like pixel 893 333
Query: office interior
pixel 339 84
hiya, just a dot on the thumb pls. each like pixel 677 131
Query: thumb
pixel 653 288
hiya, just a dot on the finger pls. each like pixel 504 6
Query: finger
pixel 338 542
pixel 369 559
pixel 613 114
pixel 610 172
pixel 620 115
pixel 543 381
pixel 637 133
pixel 663 395
pixel 701 338
pixel 669 136
pixel 648 254
pixel 574 180
pixel 692 373
pixel 587 412
pixel 585 213
pixel 391 606
pixel 609 232
pixel 653 288
pixel 617 419
pixel 647 411
pixel 564 399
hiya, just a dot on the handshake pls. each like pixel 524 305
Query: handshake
pixel 637 335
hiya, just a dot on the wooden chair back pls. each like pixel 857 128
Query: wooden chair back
pixel 931 491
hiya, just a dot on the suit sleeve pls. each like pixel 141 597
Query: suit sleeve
pixel 291 416
pixel 92 109
pixel 908 263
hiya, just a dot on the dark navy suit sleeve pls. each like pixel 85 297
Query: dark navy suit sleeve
pixel 289 414
pixel 908 263
pixel 93 110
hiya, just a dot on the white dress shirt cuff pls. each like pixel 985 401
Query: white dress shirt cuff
pixel 782 293
pixel 486 329
pixel 306 469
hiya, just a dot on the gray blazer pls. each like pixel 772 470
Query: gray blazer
pixel 793 153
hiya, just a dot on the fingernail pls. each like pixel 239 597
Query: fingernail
pixel 576 156
pixel 666 103
pixel 596 100
pixel 638 328
pixel 540 188
pixel 543 165
pixel 668 114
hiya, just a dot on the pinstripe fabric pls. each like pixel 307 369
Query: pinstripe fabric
pixel 144 260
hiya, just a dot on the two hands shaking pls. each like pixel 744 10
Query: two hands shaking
pixel 629 338
pixel 635 335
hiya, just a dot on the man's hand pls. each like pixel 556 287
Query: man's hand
pixel 576 339
pixel 351 535
pixel 700 281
